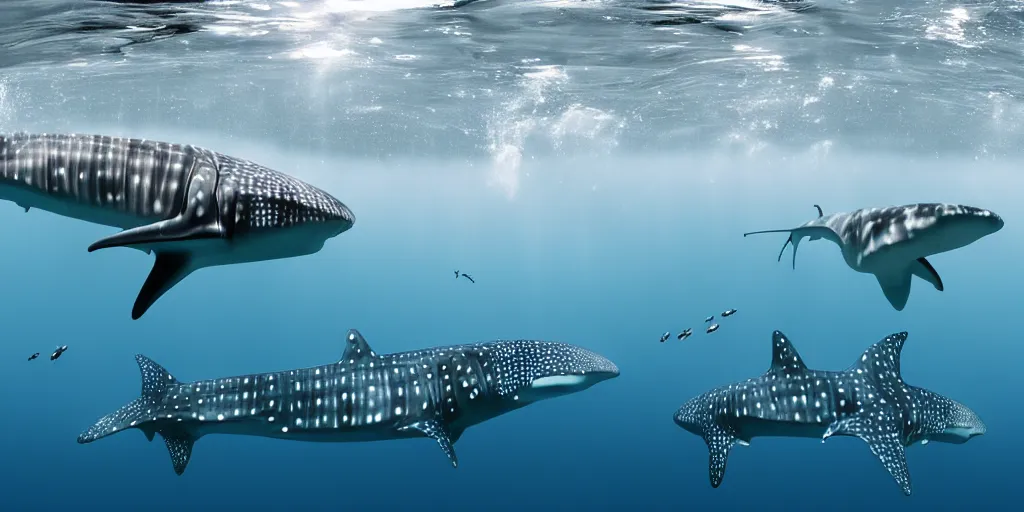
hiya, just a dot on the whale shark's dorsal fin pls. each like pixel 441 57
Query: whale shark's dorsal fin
pixel 785 358
pixel 879 423
pixel 356 348
pixel 882 360
pixel 820 213
pixel 436 430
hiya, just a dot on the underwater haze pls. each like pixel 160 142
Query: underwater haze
pixel 593 165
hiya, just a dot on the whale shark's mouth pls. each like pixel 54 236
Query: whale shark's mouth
pixel 558 381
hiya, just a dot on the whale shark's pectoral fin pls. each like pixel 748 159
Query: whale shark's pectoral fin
pixel 923 269
pixel 168 270
pixel 881 432
pixel 178 229
pixel 719 443
pixel 180 448
pixel 896 287
pixel 356 348
pixel 199 217
pixel 437 431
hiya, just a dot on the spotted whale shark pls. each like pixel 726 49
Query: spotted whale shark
pixel 892 243
pixel 193 207
pixel 435 393
pixel 868 400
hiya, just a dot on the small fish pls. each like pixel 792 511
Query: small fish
pixel 456 274
pixel 665 336
pixel 685 334
pixel 712 328
pixel 710 318
pixel 467 276
pixel 729 312
pixel 33 356
pixel 56 353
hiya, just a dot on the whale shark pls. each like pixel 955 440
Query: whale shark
pixel 868 400
pixel 435 393
pixel 192 207
pixel 893 243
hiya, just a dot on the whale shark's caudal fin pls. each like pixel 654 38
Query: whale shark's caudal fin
pixel 795 235
pixel 878 422
pixel 896 287
pixel 142 412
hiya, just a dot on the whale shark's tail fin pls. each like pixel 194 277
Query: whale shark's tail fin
pixel 878 422
pixel 797 234
pixel 144 414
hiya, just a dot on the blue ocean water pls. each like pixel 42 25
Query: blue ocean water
pixel 593 175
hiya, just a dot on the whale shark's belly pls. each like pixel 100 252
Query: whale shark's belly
pixel 749 428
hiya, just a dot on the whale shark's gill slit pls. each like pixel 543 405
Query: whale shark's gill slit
pixel 168 270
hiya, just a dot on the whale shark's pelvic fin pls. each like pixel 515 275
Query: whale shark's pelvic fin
pixel 923 269
pixel 168 270
pixel 785 359
pixel 436 430
pixel 720 442
pixel 356 348
pixel 896 287
pixel 179 445
pixel 877 422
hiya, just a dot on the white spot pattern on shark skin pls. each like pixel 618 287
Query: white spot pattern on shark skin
pixel 869 400
pixel 436 392
pixel 129 183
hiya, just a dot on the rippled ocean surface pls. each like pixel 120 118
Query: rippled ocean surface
pixel 592 164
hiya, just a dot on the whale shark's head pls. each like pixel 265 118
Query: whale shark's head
pixel 944 420
pixel 287 215
pixel 956 225
pixel 529 371
pixel 693 415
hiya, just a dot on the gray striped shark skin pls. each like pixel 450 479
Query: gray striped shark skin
pixel 868 400
pixel 436 393
pixel 193 207
pixel 892 243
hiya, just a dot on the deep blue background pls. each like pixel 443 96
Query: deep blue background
pixel 607 254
